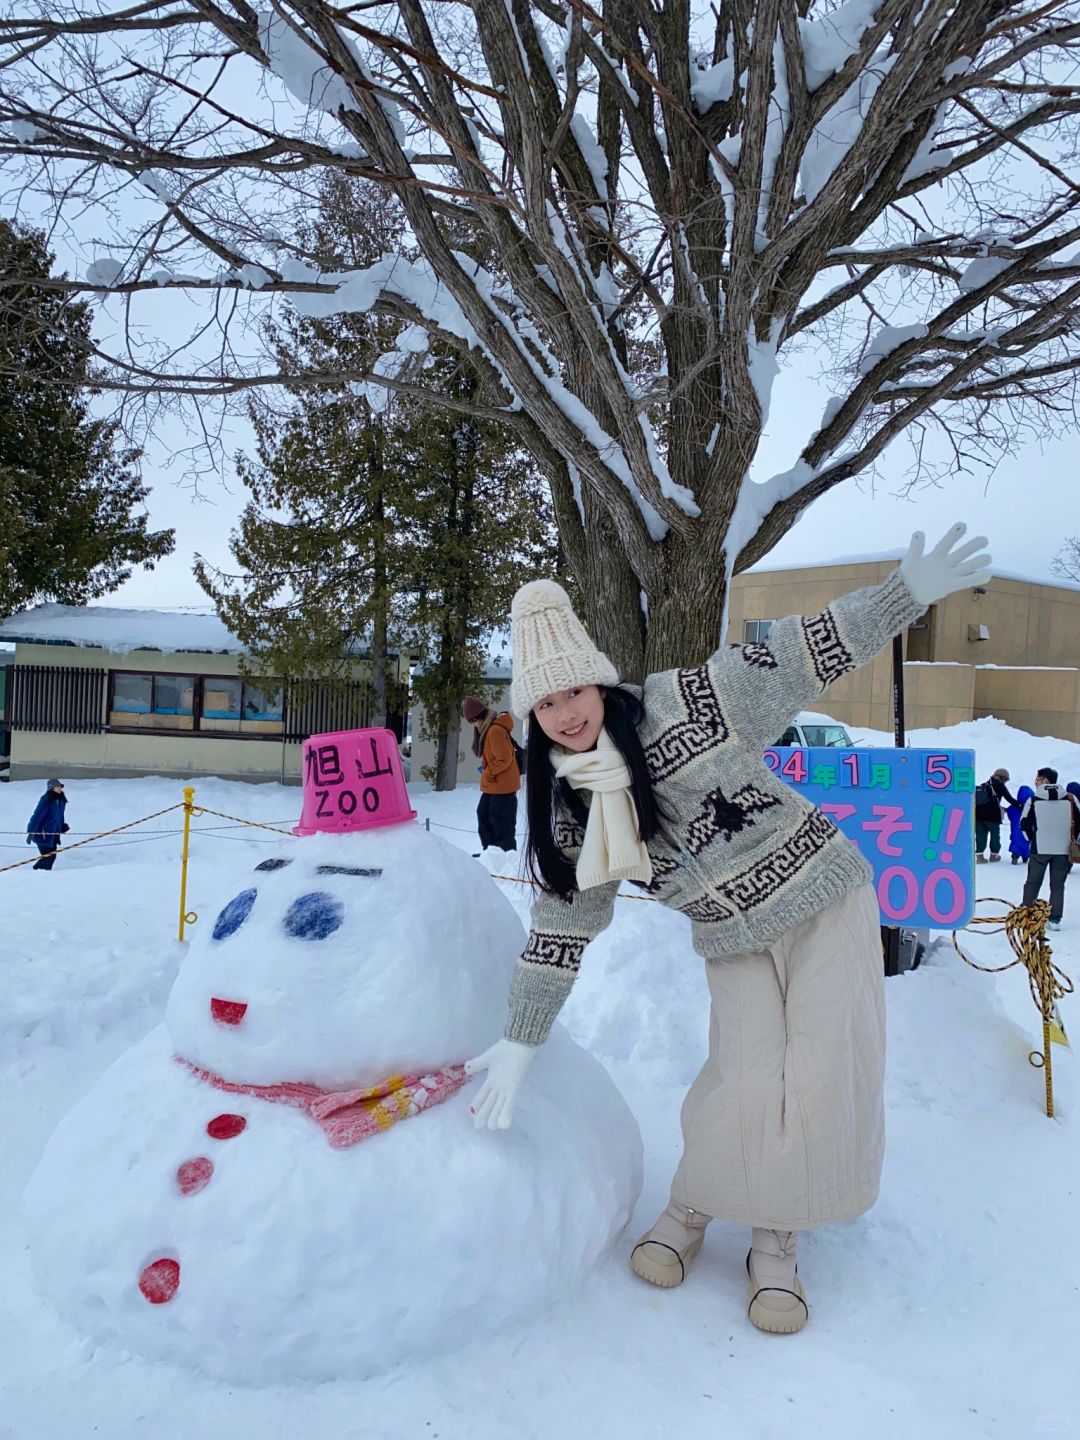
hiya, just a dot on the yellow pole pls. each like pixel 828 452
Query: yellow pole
pixel 1048 1067
pixel 186 917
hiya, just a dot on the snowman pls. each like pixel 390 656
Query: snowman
pixel 283 1179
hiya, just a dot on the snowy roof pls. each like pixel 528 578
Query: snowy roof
pixel 109 627
pixel 769 563
pixel 185 629
pixel 877 557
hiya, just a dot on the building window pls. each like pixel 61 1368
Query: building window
pixel 206 704
pixel 152 702
pixel 237 707
pixel 754 631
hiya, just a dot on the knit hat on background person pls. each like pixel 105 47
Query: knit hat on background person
pixel 1001 773
pixel 49 784
pixel 473 709
pixel 551 650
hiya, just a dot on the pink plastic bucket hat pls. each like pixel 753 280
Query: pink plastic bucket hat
pixel 353 780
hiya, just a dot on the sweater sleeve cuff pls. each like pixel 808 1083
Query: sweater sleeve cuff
pixel 536 997
pixel 896 604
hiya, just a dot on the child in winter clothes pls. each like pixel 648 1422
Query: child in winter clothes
pixel 1019 845
pixel 46 825
pixel 666 787
pixel 500 778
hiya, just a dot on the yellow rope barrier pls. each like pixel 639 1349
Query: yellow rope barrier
pixel 1025 930
pixel 100 836
pixel 249 824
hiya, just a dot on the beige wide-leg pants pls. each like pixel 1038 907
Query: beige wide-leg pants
pixel 784 1128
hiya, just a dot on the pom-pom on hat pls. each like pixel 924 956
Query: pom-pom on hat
pixel 551 649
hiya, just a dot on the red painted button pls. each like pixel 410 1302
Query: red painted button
pixel 224 1127
pixel 160 1281
pixel 194 1175
pixel 228 1012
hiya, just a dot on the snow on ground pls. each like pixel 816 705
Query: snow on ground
pixel 948 1311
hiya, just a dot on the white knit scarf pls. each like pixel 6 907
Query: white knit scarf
pixel 613 848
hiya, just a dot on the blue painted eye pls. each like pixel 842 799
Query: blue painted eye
pixel 234 914
pixel 314 917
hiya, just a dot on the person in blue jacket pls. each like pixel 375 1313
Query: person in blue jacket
pixel 1019 844
pixel 1073 787
pixel 47 824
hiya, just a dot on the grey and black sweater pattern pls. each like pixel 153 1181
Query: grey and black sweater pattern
pixel 742 853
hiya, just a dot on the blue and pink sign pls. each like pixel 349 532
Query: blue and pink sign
pixel 910 812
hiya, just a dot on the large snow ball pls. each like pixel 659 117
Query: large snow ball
pixel 243 1244
pixel 356 957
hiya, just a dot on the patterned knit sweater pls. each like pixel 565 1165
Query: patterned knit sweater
pixel 742 853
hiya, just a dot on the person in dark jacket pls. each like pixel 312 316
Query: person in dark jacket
pixel 47 824
pixel 500 776
pixel 1019 845
pixel 988 814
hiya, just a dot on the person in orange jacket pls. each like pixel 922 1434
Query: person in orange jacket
pixel 500 776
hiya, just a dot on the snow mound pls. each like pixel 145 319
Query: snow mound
pixel 220 1227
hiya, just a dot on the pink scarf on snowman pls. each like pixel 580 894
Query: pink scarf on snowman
pixel 349 1116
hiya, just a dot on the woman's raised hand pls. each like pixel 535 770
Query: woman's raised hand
pixel 945 569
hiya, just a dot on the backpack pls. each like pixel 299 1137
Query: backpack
pixel 519 754
pixel 984 794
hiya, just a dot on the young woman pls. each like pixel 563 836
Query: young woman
pixel 500 778
pixel 783 1129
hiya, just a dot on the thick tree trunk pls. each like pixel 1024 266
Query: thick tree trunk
pixel 640 632
pixel 687 619
pixel 613 613
pixel 446 748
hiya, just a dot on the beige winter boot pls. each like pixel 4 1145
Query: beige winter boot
pixel 775 1299
pixel 663 1255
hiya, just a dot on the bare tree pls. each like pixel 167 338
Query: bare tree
pixel 1066 562
pixel 632 216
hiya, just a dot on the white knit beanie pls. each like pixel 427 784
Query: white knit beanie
pixel 551 650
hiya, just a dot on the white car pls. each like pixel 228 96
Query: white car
pixel 809 728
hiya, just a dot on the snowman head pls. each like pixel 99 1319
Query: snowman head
pixel 342 959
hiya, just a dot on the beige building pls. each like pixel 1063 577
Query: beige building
pixel 1009 649
pixel 99 690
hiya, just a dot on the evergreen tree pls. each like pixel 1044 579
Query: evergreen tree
pixel 403 524
pixel 314 587
pixel 482 526
pixel 71 525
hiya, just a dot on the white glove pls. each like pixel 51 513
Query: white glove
pixel 506 1063
pixel 930 577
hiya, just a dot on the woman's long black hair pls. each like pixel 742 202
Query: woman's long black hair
pixel 549 867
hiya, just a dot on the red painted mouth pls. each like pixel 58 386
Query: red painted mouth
pixel 228 1012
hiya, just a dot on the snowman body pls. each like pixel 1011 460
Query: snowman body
pixel 215 1227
